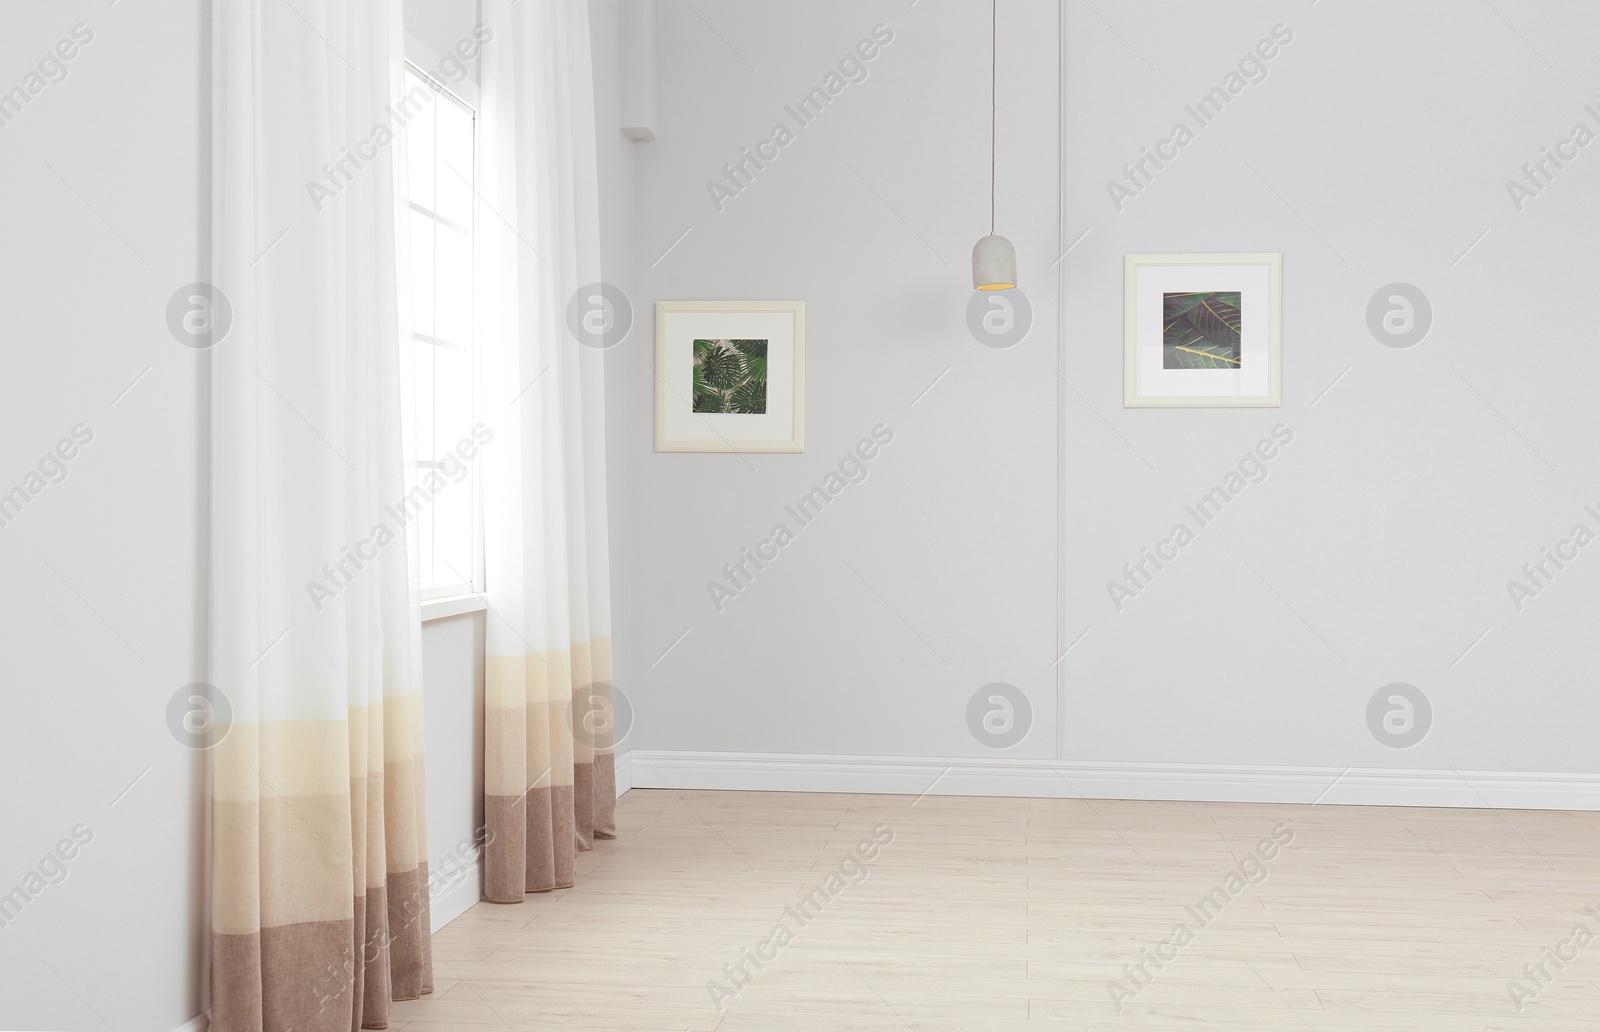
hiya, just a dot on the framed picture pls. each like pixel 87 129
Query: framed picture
pixel 1203 331
pixel 730 376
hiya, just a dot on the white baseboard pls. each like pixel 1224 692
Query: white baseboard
pixel 449 901
pixel 905 775
pixel 624 768
pixel 199 1023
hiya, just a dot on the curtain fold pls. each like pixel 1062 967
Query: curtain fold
pixel 319 877
pixel 550 786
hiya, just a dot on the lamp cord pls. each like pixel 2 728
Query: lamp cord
pixel 994 47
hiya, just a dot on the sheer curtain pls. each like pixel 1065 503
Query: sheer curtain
pixel 319 879
pixel 550 787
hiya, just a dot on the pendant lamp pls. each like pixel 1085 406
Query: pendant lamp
pixel 994 260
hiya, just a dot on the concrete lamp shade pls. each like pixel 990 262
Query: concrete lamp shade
pixel 994 264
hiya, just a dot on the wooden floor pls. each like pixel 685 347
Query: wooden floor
pixel 1017 914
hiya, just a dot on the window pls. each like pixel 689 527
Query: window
pixel 437 353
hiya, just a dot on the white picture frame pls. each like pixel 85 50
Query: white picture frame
pixel 1159 371
pixel 684 329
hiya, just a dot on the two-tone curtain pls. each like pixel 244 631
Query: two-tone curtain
pixel 549 784
pixel 319 879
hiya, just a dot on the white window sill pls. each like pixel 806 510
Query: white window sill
pixel 455 605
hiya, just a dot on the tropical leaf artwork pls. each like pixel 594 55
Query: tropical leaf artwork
pixel 1200 330
pixel 730 376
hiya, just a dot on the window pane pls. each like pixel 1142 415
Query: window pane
pixel 420 151
pixel 422 267
pixel 422 432
pixel 452 400
pixel 452 296
pixel 451 514
pixel 426 543
pixel 437 354
pixel 455 173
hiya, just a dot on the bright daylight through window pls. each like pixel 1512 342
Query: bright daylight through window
pixel 437 353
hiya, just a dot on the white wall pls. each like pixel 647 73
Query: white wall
pixel 101 619
pixel 1424 479
pixel 1389 527
pixel 869 216
pixel 616 155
